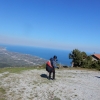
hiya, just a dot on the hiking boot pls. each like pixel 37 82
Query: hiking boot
pixel 49 78
pixel 54 79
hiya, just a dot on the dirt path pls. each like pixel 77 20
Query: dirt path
pixel 69 85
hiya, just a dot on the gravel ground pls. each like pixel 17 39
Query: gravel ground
pixel 34 85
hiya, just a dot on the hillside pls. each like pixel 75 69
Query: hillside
pixel 14 59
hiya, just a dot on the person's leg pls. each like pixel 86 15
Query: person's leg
pixel 49 75
pixel 54 74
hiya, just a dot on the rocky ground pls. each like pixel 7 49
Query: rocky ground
pixel 34 85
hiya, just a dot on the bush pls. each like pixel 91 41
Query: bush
pixel 81 59
pixel 65 66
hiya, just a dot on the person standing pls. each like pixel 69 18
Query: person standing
pixel 54 65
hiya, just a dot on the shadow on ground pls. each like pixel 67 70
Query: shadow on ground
pixel 97 76
pixel 44 76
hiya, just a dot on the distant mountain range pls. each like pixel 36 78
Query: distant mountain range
pixel 14 59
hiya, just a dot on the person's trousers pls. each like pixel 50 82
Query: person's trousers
pixel 53 74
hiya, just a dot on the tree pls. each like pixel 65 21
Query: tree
pixel 89 62
pixel 81 59
pixel 77 57
pixel 96 64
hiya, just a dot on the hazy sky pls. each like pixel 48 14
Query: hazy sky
pixel 63 24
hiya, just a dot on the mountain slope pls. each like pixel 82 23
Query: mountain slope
pixel 14 59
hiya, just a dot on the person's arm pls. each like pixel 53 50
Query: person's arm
pixel 55 64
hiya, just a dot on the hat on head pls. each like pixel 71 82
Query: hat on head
pixel 55 57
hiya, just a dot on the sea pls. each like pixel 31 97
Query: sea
pixel 45 53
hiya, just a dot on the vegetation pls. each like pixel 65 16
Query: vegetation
pixel 2 93
pixel 81 59
pixel 42 66
pixel 16 69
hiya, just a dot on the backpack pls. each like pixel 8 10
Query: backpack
pixel 49 67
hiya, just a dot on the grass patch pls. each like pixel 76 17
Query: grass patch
pixel 6 75
pixel 2 92
pixel 56 98
pixel 16 69
pixel 79 68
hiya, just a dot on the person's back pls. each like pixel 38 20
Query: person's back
pixel 53 64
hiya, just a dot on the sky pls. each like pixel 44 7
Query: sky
pixel 60 24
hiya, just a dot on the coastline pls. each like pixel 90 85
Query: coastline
pixel 44 53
